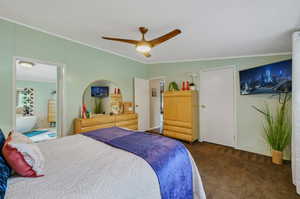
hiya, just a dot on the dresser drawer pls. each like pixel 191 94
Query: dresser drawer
pixel 176 129
pixel 178 123
pixel 127 123
pixel 131 127
pixel 124 117
pixel 97 121
pixel 96 127
pixel 130 124
pixel 180 136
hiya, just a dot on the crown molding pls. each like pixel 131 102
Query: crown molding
pixel 221 58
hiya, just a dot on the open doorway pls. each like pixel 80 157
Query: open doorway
pixel 38 97
pixel 157 87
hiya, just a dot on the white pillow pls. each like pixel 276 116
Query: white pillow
pixel 30 151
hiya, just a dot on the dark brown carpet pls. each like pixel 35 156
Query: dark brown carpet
pixel 233 174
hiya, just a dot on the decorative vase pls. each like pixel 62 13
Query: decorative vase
pixel 277 157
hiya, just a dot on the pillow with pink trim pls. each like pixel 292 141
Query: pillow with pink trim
pixel 23 156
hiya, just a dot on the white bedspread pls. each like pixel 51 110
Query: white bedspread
pixel 78 167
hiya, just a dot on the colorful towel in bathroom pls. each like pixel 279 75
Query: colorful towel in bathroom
pixel 35 132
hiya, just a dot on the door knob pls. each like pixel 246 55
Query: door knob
pixel 136 105
pixel 203 106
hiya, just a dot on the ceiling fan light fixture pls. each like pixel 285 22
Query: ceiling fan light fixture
pixel 26 64
pixel 143 48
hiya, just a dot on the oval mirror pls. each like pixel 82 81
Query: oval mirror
pixel 97 98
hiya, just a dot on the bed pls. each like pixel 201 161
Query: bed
pixel 80 167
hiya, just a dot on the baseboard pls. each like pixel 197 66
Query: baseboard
pixel 152 128
pixel 246 150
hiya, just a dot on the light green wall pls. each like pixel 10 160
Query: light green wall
pixel 82 66
pixel 249 122
pixel 42 93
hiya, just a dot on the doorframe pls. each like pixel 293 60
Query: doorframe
pixel 235 88
pixel 159 77
pixel 60 87
pixel 155 78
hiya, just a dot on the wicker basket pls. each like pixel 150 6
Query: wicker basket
pixel 277 157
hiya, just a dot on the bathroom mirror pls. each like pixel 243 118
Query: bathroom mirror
pixel 97 96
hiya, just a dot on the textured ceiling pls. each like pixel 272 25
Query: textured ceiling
pixel 210 28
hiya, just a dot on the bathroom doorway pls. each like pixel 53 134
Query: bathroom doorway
pixel 157 87
pixel 38 94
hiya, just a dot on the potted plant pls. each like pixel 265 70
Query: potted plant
pixel 98 105
pixel 173 86
pixel 277 128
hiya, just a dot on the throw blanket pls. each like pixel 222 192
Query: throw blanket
pixel 168 158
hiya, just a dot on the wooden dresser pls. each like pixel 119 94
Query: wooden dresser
pixel 181 115
pixel 129 121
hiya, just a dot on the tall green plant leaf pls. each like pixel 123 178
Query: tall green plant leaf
pixel 98 105
pixel 278 126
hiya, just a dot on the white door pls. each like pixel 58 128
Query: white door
pixel 141 101
pixel 217 106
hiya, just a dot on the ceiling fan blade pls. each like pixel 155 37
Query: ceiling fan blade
pixel 147 54
pixel 122 40
pixel 165 37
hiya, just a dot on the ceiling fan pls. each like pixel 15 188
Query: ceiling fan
pixel 143 46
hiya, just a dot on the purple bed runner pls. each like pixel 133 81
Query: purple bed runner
pixel 168 158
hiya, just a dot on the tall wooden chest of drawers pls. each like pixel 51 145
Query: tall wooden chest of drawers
pixel 181 115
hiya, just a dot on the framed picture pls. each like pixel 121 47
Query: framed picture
pixel 267 79
pixel 154 92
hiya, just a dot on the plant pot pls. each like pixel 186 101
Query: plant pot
pixel 277 157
